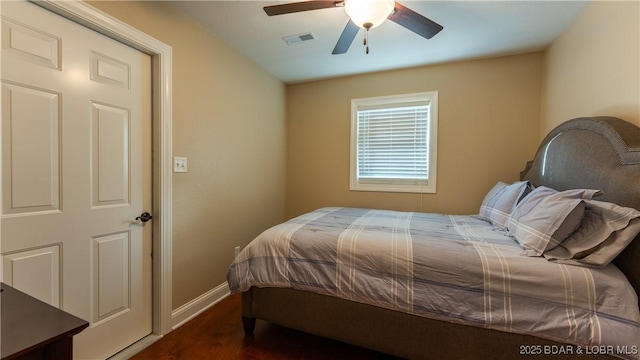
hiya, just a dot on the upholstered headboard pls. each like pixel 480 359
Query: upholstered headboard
pixel 596 153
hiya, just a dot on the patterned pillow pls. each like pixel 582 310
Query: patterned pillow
pixel 536 219
pixel 605 231
pixel 500 201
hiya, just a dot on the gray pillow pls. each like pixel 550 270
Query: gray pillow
pixel 500 201
pixel 570 224
pixel 544 218
pixel 604 232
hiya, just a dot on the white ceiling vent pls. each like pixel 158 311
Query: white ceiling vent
pixel 299 38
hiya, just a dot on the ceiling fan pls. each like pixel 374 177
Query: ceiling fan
pixel 363 14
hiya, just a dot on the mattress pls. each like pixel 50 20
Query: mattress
pixel 455 268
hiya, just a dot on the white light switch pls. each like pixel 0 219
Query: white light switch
pixel 179 164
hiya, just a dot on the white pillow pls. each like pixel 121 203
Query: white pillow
pixel 500 201
pixel 536 219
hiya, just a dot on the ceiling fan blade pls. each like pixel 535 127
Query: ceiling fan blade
pixel 414 21
pixel 346 38
pixel 301 6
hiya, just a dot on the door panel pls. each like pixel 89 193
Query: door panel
pixel 31 149
pixel 110 155
pixel 36 272
pixel 76 167
pixel 109 71
pixel 112 288
pixel 31 44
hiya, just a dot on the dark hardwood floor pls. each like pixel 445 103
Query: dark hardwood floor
pixel 217 334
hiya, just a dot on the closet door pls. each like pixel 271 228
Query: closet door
pixel 76 172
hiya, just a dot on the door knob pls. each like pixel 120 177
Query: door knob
pixel 144 217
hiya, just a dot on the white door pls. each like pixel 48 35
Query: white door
pixel 76 172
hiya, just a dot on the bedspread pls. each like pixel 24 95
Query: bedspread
pixel 449 267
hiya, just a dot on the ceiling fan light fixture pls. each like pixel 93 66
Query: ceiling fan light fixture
pixel 368 14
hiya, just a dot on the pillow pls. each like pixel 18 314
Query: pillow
pixel 605 231
pixel 500 201
pixel 544 218
pixel 527 190
pixel 570 224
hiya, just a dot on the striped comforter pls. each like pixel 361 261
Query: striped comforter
pixel 448 267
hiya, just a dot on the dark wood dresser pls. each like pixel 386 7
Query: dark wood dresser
pixel 32 329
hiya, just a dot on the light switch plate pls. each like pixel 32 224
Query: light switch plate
pixel 179 164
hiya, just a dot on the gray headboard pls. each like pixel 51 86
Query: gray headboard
pixel 595 153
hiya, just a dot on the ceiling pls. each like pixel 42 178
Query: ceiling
pixel 472 29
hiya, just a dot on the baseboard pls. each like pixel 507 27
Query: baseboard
pixel 194 307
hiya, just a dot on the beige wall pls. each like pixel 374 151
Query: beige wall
pixel 489 113
pixel 228 120
pixel 593 68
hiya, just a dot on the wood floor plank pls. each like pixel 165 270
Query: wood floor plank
pixel 217 334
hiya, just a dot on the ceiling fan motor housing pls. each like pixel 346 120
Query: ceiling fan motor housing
pixel 368 14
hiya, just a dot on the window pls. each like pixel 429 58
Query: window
pixel 393 143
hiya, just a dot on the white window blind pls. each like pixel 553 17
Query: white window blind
pixel 393 144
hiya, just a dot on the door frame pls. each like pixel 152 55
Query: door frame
pixel 161 65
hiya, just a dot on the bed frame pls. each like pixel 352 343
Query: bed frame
pixel 598 153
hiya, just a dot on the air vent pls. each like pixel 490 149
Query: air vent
pixel 299 38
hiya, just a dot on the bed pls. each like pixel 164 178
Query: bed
pixel 515 280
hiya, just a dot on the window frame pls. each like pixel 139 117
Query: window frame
pixel 389 185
